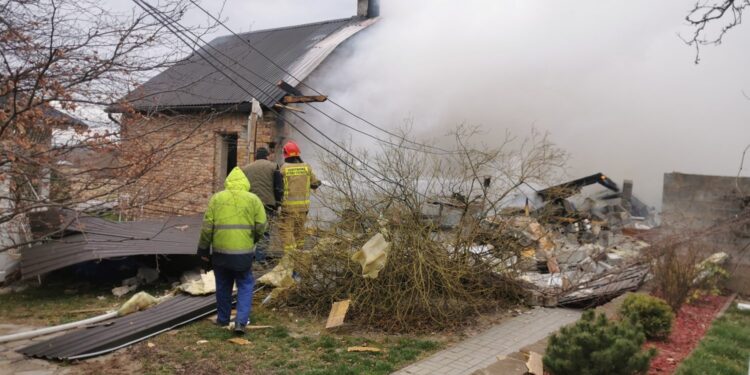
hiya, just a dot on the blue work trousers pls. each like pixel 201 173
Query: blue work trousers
pixel 225 279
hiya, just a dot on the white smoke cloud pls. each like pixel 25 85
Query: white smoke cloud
pixel 610 80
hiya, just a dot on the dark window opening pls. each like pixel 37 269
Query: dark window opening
pixel 230 140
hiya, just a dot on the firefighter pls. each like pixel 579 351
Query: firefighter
pixel 298 181
pixel 233 222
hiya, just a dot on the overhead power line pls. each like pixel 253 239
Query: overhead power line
pixel 169 24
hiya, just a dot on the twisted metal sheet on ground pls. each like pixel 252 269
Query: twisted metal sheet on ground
pixel 101 239
pixel 606 286
pixel 121 332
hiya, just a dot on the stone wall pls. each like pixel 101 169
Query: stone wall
pixel 176 158
pixel 697 202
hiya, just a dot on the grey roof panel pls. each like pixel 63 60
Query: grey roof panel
pixel 111 335
pixel 298 50
pixel 100 239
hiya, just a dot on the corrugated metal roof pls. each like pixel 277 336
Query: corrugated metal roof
pixel 101 239
pixel 298 49
pixel 111 335
pixel 606 286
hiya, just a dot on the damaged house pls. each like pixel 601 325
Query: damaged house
pixel 207 124
pixel 25 186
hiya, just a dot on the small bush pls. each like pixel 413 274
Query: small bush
pixel 710 280
pixel 597 346
pixel 652 313
pixel 675 268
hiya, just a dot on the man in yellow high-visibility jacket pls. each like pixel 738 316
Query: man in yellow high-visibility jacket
pixel 299 179
pixel 234 220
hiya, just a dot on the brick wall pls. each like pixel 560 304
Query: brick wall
pixel 174 158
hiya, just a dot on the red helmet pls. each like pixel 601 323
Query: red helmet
pixel 291 149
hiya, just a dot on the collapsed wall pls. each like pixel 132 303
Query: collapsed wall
pixel 699 202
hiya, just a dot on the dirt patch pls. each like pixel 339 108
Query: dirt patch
pixel 691 324
pixel 118 363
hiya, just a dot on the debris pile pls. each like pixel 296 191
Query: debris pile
pixel 584 244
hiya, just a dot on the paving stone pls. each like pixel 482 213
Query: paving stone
pixel 481 351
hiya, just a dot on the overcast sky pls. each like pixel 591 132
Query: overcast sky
pixel 610 80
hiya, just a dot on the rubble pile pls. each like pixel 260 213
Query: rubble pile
pixel 586 246
pixel 578 245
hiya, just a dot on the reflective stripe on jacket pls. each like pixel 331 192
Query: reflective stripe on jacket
pixel 234 218
pixel 298 179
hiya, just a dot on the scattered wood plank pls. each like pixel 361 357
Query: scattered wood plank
pixel 250 328
pixel 239 341
pixel 367 349
pixel 337 314
pixel 289 99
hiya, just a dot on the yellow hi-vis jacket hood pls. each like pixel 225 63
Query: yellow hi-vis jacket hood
pixel 235 217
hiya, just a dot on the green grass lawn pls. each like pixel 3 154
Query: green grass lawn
pixel 61 301
pixel 296 344
pixel 292 346
pixel 725 350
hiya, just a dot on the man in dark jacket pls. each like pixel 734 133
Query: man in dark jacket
pixel 267 183
pixel 233 220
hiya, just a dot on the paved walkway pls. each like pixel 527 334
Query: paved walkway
pixel 482 350
pixel 16 364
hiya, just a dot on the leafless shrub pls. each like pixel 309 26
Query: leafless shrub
pixel 675 268
pixel 435 277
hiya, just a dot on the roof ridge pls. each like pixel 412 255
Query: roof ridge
pixel 298 26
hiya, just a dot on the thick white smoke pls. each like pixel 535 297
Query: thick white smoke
pixel 610 80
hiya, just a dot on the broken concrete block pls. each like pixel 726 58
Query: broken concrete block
pixel 606 238
pixel 130 281
pixel 147 275
pixel 123 290
pixel 534 364
pixel 614 259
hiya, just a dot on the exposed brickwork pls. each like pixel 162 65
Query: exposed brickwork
pixel 181 156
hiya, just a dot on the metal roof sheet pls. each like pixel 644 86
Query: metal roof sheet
pixel 100 239
pixel 299 50
pixel 111 335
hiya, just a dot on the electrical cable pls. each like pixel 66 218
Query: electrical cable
pixel 179 34
pixel 441 150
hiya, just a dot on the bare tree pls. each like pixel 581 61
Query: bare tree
pixel 711 20
pixel 76 55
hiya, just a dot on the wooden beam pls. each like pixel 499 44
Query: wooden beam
pixel 289 89
pixel 303 99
